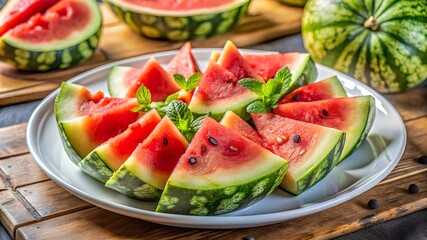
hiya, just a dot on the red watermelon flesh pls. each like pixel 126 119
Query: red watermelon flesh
pixel 173 5
pixel 184 62
pixel 152 75
pixel 231 60
pixel 17 12
pixel 325 89
pixel 266 65
pixel 55 23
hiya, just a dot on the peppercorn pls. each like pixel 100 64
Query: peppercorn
pixel 373 204
pixel 248 238
pixel 423 159
pixel 413 188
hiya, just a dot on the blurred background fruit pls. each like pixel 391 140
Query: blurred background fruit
pixel 297 3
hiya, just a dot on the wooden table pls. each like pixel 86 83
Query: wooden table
pixel 34 207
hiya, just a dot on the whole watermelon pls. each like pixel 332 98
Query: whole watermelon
pixel 297 3
pixel 381 42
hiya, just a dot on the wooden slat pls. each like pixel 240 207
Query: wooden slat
pixel 21 170
pixel 13 213
pixel 2 185
pixel 410 104
pixel 417 131
pixel 48 199
pixel 394 200
pixel 12 140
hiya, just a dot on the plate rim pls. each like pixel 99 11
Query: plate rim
pixel 203 221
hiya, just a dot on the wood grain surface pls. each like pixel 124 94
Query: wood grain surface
pixel 34 207
pixel 267 20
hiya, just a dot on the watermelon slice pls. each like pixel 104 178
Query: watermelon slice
pixel 184 62
pixel 124 81
pixel 219 92
pixel 220 172
pixel 47 34
pixel 312 150
pixel 233 121
pixel 354 116
pixel 179 20
pixel 108 157
pixel 325 89
pixel 143 176
pixel 86 121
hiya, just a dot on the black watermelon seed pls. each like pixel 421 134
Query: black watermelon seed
pixel 165 141
pixel 320 116
pixel 373 204
pixel 248 238
pixel 423 159
pixel 413 188
pixel 192 160
pixel 297 138
pixel 212 140
pixel 297 97
pixel 325 113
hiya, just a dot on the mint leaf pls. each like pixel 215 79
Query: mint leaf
pixel 171 97
pixel 180 114
pixel 285 77
pixel 141 108
pixel 193 82
pixel 180 80
pixel 195 125
pixel 253 85
pixel 143 95
pixel 258 107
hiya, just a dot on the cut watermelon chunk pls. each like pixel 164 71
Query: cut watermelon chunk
pixel 184 62
pixel 233 121
pixel 143 176
pixel 219 92
pixel 300 64
pixel 125 81
pixel 108 157
pixel 86 121
pixel 325 89
pixel 312 150
pixel 354 116
pixel 231 60
pixel 220 172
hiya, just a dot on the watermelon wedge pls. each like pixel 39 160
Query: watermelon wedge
pixel 109 156
pixel 325 89
pixel 220 172
pixel 124 81
pixel 144 174
pixel 219 92
pixel 233 121
pixel 312 150
pixel 184 62
pixel 300 64
pixel 354 116
pixel 47 34
pixel 86 121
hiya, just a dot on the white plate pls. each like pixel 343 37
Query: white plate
pixel 371 163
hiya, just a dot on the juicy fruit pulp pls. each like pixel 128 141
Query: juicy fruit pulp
pixel 382 43
pixel 184 62
pixel 144 174
pixel 312 150
pixel 354 116
pixel 221 171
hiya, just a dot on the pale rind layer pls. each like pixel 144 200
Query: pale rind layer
pixel 176 27
pixel 70 98
pixel 391 58
pixel 220 198
pixel 116 86
pixel 305 74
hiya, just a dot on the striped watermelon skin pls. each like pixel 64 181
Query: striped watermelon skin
pixel 297 3
pixel 379 42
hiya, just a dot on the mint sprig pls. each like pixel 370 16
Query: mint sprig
pixel 186 122
pixel 143 97
pixel 188 84
pixel 270 92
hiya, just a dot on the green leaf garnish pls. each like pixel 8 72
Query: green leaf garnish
pixel 189 84
pixel 270 92
pixel 143 95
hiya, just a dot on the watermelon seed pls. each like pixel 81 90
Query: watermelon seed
pixel 212 140
pixel 297 138
pixel 325 113
pixel 203 148
pixel 302 152
pixel 192 160
pixel 234 148
pixel 165 141
pixel 281 139
pixel 297 97
pixel 320 116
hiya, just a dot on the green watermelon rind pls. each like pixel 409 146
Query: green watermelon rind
pixel 116 76
pixel 219 200
pixel 305 74
pixel 127 183
pixel 69 150
pixel 337 88
pixel 30 57
pixel 94 165
pixel 179 28
pixel 296 3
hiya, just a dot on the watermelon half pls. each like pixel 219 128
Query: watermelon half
pixel 354 116
pixel 220 172
pixel 85 121
pixel 325 89
pixel 109 156
pixel 179 20
pixel 124 81
pixel 312 150
pixel 46 34
pixel 144 174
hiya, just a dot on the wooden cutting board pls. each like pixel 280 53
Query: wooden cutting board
pixel 34 207
pixel 267 20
